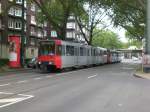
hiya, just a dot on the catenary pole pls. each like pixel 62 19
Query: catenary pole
pixel 23 36
pixel 147 47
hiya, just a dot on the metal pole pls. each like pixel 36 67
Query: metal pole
pixel 147 47
pixel 146 56
pixel 22 37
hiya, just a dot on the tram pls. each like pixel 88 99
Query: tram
pixel 58 54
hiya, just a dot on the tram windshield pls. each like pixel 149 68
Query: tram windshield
pixel 47 48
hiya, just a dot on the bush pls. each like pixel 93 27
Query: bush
pixel 3 62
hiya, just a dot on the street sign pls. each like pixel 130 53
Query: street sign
pixel 53 34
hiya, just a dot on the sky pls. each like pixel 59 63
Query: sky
pixel 118 30
pixel 107 21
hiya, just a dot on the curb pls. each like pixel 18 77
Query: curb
pixel 142 76
pixel 138 76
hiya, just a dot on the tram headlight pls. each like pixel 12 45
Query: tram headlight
pixel 39 62
pixel 51 63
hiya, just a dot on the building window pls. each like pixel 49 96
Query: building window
pixel 69 35
pixel 32 42
pixel 25 15
pixel 18 24
pixel 0 8
pixel 11 0
pixel 33 7
pixel 25 3
pixel 19 1
pixel 25 27
pixel 45 33
pixel 33 20
pixel 11 11
pixel 33 32
pixel 39 33
pixel 45 24
pixel 71 25
pixel 10 23
pixel 0 23
pixel 32 52
pixel 18 12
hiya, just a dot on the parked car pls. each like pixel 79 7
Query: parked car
pixel 32 63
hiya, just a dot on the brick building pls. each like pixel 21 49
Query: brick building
pixel 11 24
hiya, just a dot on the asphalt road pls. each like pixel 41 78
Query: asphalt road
pixel 109 88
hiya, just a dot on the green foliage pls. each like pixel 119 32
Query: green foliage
pixel 129 14
pixel 132 41
pixel 56 12
pixel 3 62
pixel 107 39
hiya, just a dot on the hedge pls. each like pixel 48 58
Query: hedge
pixel 3 62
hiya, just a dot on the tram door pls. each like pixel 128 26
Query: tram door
pixel 76 56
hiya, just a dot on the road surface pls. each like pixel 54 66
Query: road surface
pixel 108 88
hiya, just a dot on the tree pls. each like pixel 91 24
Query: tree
pixel 91 19
pixel 129 14
pixel 132 41
pixel 56 12
pixel 107 39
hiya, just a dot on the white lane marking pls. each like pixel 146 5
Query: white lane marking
pixel 6 93
pixel 120 105
pixel 10 101
pixel 48 76
pixel 38 78
pixel 5 85
pixel 23 81
pixel 92 76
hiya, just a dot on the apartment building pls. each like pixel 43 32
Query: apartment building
pixel 0 21
pixel 35 31
pixel 73 32
pixel 10 23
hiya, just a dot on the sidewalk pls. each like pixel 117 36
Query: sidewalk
pixel 5 70
pixel 141 74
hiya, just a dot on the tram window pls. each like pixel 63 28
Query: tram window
pixel 81 51
pixel 63 50
pixel 88 52
pixel 70 50
pixel 59 50
pixel 84 52
pixel 105 53
pixel 92 53
pixel 47 49
pixel 76 51
pixel 102 53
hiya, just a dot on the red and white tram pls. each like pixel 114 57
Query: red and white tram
pixel 58 54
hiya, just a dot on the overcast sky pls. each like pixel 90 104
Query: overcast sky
pixel 120 31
